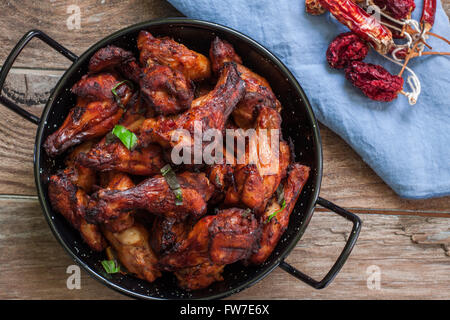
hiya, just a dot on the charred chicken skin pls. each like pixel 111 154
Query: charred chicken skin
pixel 117 59
pixel 155 196
pixel 258 92
pixel 166 51
pixel 166 233
pixel 95 114
pixel 229 236
pixel 118 190
pixel 210 110
pixel 166 90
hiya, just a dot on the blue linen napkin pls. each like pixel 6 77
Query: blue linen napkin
pixel 407 146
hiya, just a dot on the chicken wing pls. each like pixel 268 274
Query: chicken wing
pixel 166 90
pixel 118 181
pixel 107 156
pixel 227 237
pixel 155 196
pixel 95 114
pixel 274 227
pixel 134 252
pixel 71 201
pixel 115 58
pixel 209 111
pixel 166 51
pixel 258 91
pixel 261 167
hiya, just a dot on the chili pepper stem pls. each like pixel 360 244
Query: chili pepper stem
pixel 438 36
pixel 429 53
pixel 409 56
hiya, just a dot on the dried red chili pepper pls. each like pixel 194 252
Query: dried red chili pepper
pixel 428 13
pixel 345 48
pixel 398 9
pixel 374 81
pixel 361 23
pixel 314 7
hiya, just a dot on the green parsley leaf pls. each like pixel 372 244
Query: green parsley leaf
pixel 127 137
pixel 111 266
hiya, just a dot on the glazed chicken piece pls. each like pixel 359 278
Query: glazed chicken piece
pixel 155 196
pixel 224 238
pixel 134 252
pixel 209 111
pixel 107 156
pixel 83 177
pixel 117 59
pixel 167 233
pixel 166 90
pixel 273 228
pixel 118 181
pixel 258 91
pixel 166 51
pixel 71 201
pixel 200 276
pixel 261 167
pixel 95 113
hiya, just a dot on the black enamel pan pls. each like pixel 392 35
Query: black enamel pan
pixel 299 123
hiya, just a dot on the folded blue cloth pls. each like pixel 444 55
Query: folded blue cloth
pixel 407 146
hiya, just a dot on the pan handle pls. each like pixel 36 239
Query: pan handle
pixel 342 257
pixel 12 57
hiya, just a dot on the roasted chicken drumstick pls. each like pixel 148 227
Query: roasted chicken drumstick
pixel 155 196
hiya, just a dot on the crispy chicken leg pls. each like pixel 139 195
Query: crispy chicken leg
pixel 95 114
pixel 155 196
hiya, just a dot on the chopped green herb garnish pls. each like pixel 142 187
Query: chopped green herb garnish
pixel 127 137
pixel 171 179
pixel 283 205
pixel 116 96
pixel 111 266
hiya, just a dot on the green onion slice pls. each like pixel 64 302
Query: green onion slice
pixel 111 266
pixel 283 205
pixel 116 96
pixel 171 179
pixel 127 137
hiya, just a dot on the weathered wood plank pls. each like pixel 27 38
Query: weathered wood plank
pixel 98 19
pixel 411 252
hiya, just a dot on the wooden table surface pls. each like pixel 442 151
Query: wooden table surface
pixel 406 242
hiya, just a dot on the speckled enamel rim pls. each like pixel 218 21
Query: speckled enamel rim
pixel 212 27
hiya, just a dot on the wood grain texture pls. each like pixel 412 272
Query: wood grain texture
pixel 99 18
pixel 411 252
